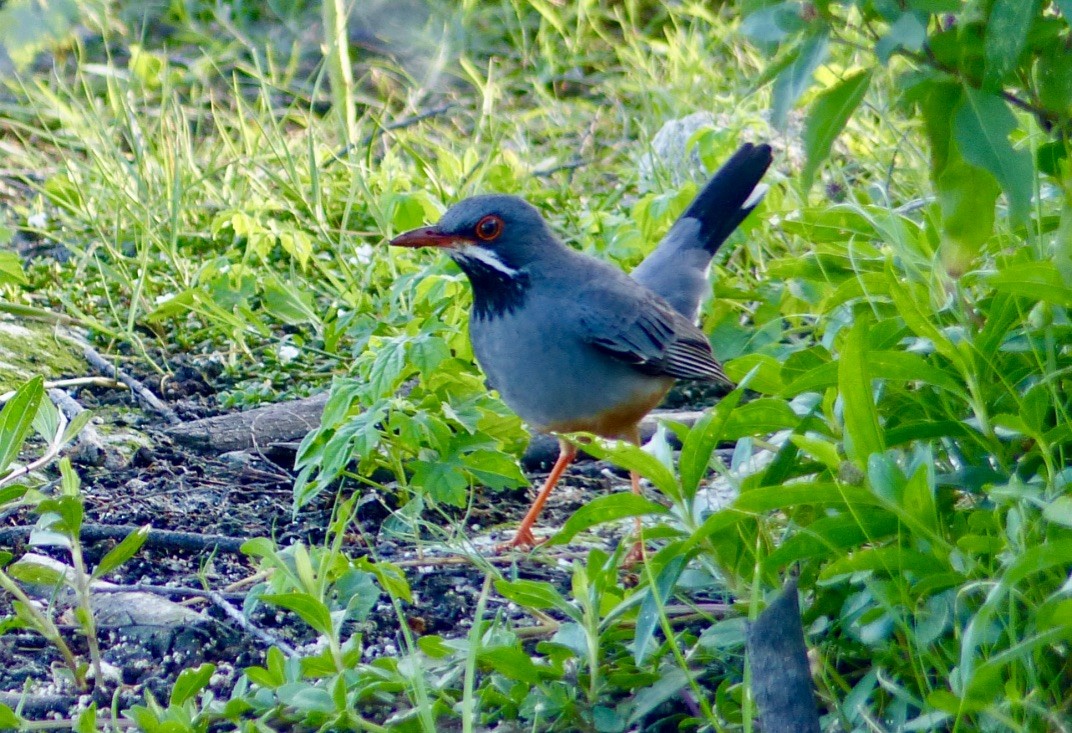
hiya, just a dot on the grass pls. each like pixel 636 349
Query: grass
pixel 212 205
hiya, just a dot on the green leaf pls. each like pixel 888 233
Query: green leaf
pixel 827 118
pixel 17 418
pixel 701 441
pixel 511 662
pixel 609 508
pixel 87 721
pixel 11 268
pixel 536 594
pixel 494 469
pixel 122 552
pixel 966 196
pixel 830 537
pixel 1006 34
pixel 29 571
pixel 443 480
pixel 909 31
pixel 1059 511
pixel 190 682
pixel 796 77
pixel 311 610
pixel 981 127
pixel 1039 281
pixel 8 719
pixel 633 458
pixel 391 577
pixel 863 433
pixel 654 605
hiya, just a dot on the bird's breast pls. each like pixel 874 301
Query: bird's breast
pixel 557 382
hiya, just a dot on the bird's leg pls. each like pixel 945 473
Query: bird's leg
pixel 636 555
pixel 524 536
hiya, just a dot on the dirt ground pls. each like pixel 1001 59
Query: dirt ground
pixel 247 496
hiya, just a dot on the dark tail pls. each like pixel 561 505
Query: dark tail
pixel 721 205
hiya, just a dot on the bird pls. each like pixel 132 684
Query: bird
pixel 574 344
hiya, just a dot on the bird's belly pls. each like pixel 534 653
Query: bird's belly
pixel 557 383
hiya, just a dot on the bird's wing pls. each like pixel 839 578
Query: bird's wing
pixel 641 329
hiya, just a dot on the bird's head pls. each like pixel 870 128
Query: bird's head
pixel 491 237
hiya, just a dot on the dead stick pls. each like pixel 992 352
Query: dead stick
pixel 168 591
pixel 161 539
pixel 104 366
pixel 237 616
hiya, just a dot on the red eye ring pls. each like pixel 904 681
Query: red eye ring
pixel 489 228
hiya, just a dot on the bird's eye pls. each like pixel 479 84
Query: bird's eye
pixel 489 227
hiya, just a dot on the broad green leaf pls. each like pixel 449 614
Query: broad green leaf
pixel 1006 34
pixel 981 127
pixel 311 611
pixel 829 537
pixel 8 719
pixel 30 571
pixel 759 418
pixel 863 433
pixel 608 508
pixel 443 480
pixel 633 458
pixel 494 469
pixel 770 498
pixel 87 720
pixel 827 118
pixel 701 441
pixel 513 663
pixel 122 552
pixel 11 268
pixel 796 77
pixel 1059 511
pixel 391 577
pixel 17 418
pixel 652 607
pixel 891 560
pixel 190 682
pixel 967 195
pixel 909 32
pixel 774 23
pixel 537 594
pixel 1034 280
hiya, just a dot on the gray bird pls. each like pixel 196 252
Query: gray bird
pixel 574 344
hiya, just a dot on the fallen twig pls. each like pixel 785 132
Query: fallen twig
pixel 53 450
pixel 73 382
pixel 101 364
pixel 160 539
pixel 90 445
pixel 169 591
pixel 675 613
pixel 239 618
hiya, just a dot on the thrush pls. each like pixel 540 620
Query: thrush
pixel 574 344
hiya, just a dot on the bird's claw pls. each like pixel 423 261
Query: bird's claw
pixel 523 540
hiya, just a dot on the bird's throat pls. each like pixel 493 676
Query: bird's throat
pixel 497 289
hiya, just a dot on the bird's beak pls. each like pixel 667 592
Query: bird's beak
pixel 428 237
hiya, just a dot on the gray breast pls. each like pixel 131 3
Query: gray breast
pixel 545 372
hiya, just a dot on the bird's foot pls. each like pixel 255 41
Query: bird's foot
pixel 523 540
pixel 635 556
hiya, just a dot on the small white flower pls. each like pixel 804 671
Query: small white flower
pixel 288 353
pixel 37 221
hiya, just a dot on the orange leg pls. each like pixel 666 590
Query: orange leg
pixel 524 536
pixel 637 554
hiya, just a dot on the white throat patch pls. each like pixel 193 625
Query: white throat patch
pixel 485 256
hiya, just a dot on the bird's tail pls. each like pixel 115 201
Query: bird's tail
pixel 730 195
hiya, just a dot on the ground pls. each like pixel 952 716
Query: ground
pixel 171 488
